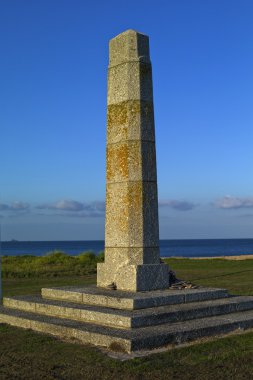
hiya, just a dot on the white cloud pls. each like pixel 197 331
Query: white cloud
pixel 178 204
pixel 229 202
pixel 64 205
pixel 76 208
pixel 67 205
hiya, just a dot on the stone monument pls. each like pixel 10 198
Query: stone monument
pixel 132 308
pixel 132 258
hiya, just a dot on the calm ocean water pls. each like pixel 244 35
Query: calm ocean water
pixel 176 248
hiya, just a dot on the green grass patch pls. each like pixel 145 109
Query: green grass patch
pixel 236 276
pixel 32 286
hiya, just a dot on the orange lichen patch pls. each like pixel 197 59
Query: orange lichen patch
pixel 117 161
pixel 135 205
pixel 117 114
pixel 129 119
pixel 117 133
pixel 135 161
pixel 124 161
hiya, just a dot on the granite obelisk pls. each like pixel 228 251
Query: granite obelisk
pixel 132 259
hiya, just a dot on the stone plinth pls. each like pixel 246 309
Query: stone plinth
pixel 132 259
pixel 130 321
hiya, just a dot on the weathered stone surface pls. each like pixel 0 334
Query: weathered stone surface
pixel 131 231
pixel 129 46
pixel 65 328
pixel 129 340
pixel 89 296
pixel 134 277
pixel 133 255
pixel 134 113
pixel 131 160
pixel 73 311
pixel 129 223
pixel 130 318
pixel 130 81
pixel 131 300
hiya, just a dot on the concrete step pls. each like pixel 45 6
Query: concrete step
pixel 129 340
pixel 130 301
pixel 129 318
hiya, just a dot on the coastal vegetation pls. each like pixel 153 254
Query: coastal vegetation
pixel 28 355
pixel 53 264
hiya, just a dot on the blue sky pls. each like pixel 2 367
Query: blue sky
pixel 53 67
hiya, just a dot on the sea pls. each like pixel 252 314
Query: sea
pixel 168 248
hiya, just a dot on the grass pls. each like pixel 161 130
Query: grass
pixel 28 355
pixel 236 276
pixel 24 286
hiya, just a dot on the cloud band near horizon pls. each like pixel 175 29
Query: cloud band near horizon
pixel 74 208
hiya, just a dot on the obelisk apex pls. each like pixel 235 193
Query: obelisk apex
pixel 132 260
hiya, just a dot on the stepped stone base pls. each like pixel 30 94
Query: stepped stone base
pixel 126 321
pixel 126 318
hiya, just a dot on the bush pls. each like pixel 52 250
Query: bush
pixel 55 257
pixel 88 258
pixel 53 264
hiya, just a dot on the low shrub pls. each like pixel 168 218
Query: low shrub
pixel 53 264
pixel 88 258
